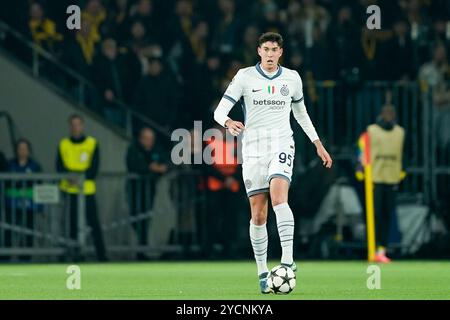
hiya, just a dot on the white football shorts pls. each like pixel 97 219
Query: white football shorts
pixel 258 171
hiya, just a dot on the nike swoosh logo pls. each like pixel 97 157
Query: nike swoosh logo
pixel 253 90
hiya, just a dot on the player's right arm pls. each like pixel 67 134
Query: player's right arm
pixel 230 98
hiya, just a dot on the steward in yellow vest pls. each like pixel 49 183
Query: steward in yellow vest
pixel 80 154
pixel 386 153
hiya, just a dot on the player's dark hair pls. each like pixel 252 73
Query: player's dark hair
pixel 271 37
pixel 75 116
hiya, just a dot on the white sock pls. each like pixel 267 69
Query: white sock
pixel 285 224
pixel 259 240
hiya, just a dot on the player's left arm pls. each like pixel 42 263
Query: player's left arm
pixel 323 154
pixel 303 119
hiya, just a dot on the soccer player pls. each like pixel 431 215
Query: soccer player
pixel 268 92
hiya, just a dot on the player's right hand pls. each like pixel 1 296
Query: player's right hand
pixel 235 127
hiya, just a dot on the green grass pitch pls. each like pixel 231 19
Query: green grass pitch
pixel 223 280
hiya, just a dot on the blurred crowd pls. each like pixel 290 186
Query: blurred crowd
pixel 172 59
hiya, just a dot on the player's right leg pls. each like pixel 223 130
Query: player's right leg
pixel 259 236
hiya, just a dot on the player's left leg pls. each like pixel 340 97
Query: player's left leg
pixel 279 188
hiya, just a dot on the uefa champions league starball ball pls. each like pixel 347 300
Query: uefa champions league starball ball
pixel 281 280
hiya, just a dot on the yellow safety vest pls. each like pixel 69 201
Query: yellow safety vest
pixel 386 151
pixel 77 157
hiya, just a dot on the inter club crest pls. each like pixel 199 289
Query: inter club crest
pixel 284 90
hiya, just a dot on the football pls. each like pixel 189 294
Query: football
pixel 281 280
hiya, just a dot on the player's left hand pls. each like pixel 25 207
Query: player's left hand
pixel 323 154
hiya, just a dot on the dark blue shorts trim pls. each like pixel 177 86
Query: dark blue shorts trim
pixel 257 191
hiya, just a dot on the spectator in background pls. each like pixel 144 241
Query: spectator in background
pixel 372 67
pixel 247 52
pixel 436 75
pixel 227 29
pixel 79 51
pixel 177 43
pixel 137 48
pixel 138 36
pixel 23 161
pixel 180 26
pixel 137 62
pixel 78 55
pixel 318 56
pixel 42 29
pixel 145 158
pixel 155 95
pixel 312 16
pixel 270 21
pixel 111 79
pixel 398 54
pixel 95 14
pixel 204 88
pixel 79 153
pixel 143 12
pixel 345 45
pixel 415 13
pixel 292 18
pixel 439 34
pixel 198 40
pixel 118 22
pixel 195 86
pixel 87 39
pixel 435 72
pixel 418 22
pixel 20 207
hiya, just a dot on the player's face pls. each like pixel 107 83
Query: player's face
pixel 270 53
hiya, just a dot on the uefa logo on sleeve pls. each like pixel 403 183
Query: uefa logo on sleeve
pixel 284 90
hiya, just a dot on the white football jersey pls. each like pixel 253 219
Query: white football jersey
pixel 267 102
